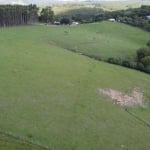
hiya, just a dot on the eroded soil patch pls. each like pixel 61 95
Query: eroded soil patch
pixel 134 98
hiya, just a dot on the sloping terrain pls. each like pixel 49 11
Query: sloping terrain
pixel 11 143
pixel 50 95
pixel 104 40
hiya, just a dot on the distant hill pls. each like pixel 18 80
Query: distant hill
pixel 68 8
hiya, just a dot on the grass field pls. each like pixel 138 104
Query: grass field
pixel 104 39
pixel 10 143
pixel 49 95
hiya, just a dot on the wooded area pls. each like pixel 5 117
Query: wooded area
pixel 13 15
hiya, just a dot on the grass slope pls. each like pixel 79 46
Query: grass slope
pixel 9 143
pixel 49 95
pixel 104 39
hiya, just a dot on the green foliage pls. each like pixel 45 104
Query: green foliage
pixel 143 52
pixel 46 15
pixel 146 61
pixel 133 64
pixel 114 61
pixel 65 21
pixel 143 55
pixel 126 63
pixel 148 43
pixel 140 66
pixel 147 68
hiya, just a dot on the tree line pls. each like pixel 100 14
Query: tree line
pixel 13 15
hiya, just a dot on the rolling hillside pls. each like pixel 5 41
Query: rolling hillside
pixel 104 39
pixel 50 96
pixel 94 7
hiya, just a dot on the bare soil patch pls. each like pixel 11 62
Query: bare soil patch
pixel 134 98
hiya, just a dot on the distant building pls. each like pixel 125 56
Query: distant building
pixel 112 20
pixel 75 23
pixel 148 17
pixel 56 22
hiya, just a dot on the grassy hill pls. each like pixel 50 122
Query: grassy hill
pixel 95 7
pixel 74 9
pixel 49 95
pixel 104 39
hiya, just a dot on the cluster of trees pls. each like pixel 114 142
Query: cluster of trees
pixel 46 15
pixel 141 63
pixel 12 15
pixel 65 20
pixel 135 17
pixel 143 58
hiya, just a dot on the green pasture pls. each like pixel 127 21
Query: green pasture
pixel 10 143
pixel 103 39
pixel 49 95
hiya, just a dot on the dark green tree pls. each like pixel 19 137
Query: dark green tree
pixel 146 61
pixel 143 52
pixel 148 43
pixel 46 15
pixel 65 21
